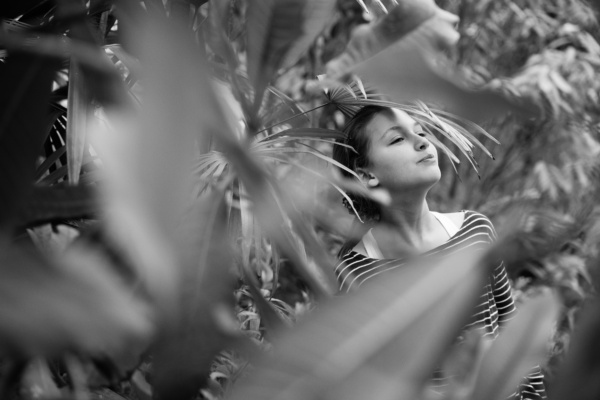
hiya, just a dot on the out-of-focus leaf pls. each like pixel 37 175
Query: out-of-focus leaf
pixel 575 378
pixel 148 155
pixel 377 342
pixel 37 381
pixel 521 345
pixel 368 40
pixel 25 84
pixel 179 245
pixel 141 387
pixel 183 357
pixel 407 73
pixel 80 304
pixel 343 186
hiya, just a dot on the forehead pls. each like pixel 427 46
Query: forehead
pixel 383 121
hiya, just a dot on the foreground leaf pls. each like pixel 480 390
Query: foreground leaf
pixel 81 305
pixel 521 345
pixel 376 343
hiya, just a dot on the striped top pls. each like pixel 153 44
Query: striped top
pixel 496 305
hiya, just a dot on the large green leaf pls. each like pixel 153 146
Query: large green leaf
pixel 383 342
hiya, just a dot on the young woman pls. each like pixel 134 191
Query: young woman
pixel 394 152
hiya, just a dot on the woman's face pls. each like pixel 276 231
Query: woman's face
pixel 401 157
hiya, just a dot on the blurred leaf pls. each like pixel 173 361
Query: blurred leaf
pixel 520 346
pixel 37 380
pixel 183 357
pixel 407 73
pixel 377 342
pixel 140 386
pixel 80 304
pixel 25 84
pixel 369 39
pixel 576 376
pixel 147 156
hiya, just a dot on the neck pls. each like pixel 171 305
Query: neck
pixel 409 216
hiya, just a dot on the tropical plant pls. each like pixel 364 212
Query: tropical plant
pixel 168 138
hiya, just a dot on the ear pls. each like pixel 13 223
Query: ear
pixel 367 178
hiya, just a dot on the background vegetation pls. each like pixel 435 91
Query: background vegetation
pixel 170 216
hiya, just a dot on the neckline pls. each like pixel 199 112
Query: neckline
pixel 466 212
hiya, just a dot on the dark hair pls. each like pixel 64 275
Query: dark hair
pixel 355 136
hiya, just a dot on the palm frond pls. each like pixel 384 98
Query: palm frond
pixel 298 165
pixel 307 133
pixel 295 150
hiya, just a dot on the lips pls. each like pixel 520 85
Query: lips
pixel 428 157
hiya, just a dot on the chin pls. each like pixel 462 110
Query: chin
pixel 433 178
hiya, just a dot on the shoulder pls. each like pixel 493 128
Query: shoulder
pixel 474 219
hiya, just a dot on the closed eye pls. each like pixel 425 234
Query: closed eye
pixel 397 139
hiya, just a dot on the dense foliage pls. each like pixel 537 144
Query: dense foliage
pixel 171 214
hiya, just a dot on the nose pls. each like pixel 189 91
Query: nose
pixel 421 143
